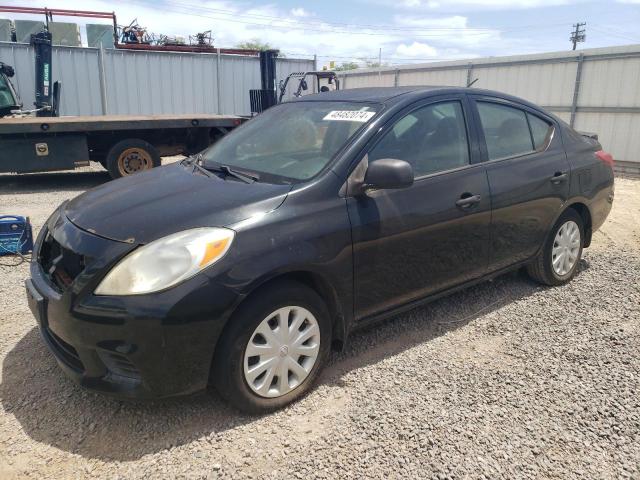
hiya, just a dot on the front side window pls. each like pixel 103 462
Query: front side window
pixel 291 142
pixel 431 138
pixel 506 130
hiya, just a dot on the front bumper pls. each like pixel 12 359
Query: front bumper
pixel 147 346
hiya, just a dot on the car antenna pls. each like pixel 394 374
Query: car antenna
pixel 472 82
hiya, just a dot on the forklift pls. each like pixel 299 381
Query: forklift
pixel 47 93
pixel 268 96
pixel 323 81
pixel 8 97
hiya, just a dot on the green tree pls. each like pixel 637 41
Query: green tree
pixel 255 44
pixel 371 64
pixel 347 66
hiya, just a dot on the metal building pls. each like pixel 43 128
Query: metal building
pixel 595 90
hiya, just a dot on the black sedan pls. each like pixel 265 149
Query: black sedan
pixel 243 266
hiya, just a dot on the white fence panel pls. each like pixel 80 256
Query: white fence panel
pixel 119 82
pixel 595 90
pixel 611 83
pixel 543 84
pixel 454 77
pixel 373 80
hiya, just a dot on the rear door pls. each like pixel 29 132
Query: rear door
pixel 412 242
pixel 528 176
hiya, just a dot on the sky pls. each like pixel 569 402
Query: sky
pixel 405 31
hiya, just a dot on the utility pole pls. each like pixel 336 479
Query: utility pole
pixel 579 34
pixel 380 62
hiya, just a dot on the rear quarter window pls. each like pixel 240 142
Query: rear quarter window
pixel 541 131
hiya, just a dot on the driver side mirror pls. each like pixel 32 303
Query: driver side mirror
pixel 388 173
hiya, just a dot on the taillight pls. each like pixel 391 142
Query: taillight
pixel 605 157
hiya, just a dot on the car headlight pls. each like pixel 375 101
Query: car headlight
pixel 166 262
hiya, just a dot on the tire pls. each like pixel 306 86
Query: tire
pixel 542 268
pixel 230 362
pixel 131 156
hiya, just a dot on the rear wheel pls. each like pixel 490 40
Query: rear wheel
pixel 131 156
pixel 558 261
pixel 274 348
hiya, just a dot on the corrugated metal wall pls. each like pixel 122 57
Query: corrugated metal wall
pixel 599 88
pixel 145 82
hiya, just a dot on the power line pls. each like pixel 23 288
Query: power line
pixel 615 34
pixel 320 22
pixel 189 9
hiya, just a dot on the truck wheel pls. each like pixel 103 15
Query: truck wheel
pixel 131 156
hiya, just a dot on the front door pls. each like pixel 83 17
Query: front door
pixel 412 242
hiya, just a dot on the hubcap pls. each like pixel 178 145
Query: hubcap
pixel 566 247
pixel 134 160
pixel 282 351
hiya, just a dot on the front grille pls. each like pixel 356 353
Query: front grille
pixel 60 265
pixel 119 365
pixel 63 349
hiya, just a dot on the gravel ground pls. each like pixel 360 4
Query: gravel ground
pixel 504 380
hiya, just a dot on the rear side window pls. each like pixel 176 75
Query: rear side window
pixel 506 130
pixel 432 139
pixel 541 131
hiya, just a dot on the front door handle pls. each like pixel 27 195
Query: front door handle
pixel 467 200
pixel 559 178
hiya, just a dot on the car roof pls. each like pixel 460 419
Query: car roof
pixel 369 94
pixel 392 95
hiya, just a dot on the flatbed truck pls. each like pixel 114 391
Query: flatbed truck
pixel 40 140
pixel 124 145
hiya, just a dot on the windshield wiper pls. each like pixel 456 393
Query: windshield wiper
pixel 197 162
pixel 227 170
pixel 200 168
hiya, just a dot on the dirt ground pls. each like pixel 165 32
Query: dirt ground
pixel 507 379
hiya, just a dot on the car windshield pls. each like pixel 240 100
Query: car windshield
pixel 290 142
pixel 6 95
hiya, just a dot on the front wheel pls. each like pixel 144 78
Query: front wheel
pixel 273 349
pixel 558 261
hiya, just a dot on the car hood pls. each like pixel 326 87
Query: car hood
pixel 150 205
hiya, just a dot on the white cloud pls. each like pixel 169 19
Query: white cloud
pixel 452 31
pixel 475 4
pixel 299 12
pixel 230 24
pixel 298 31
pixel 416 50
pixel 455 21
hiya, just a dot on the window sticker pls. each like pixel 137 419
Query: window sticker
pixel 349 116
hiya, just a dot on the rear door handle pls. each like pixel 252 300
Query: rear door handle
pixel 559 178
pixel 467 200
